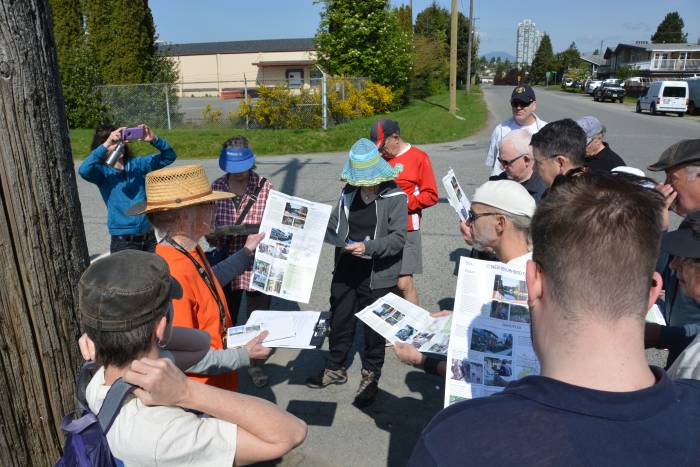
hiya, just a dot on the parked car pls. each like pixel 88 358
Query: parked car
pixel 609 90
pixel 665 96
pixel 693 95
pixel 592 85
pixel 567 83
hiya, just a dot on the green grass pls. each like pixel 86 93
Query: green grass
pixel 423 121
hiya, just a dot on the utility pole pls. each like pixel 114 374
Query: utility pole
pixel 453 60
pixel 42 241
pixel 469 47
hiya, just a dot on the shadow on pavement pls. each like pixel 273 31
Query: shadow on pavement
pixel 291 173
pixel 405 417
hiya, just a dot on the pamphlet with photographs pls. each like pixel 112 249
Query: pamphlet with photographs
pixel 490 342
pixel 286 259
pixel 455 195
pixel 398 320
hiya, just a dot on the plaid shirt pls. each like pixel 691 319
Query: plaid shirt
pixel 226 213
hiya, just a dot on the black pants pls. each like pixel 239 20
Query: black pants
pixel 143 242
pixel 350 293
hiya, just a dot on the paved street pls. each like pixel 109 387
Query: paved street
pixel 340 434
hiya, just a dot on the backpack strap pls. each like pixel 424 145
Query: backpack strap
pixel 113 402
pixel 251 200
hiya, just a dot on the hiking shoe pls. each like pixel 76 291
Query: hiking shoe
pixel 367 390
pixel 327 377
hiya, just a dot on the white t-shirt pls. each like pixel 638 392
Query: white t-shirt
pixel 520 261
pixel 501 131
pixel 163 436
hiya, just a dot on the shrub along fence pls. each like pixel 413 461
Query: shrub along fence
pixel 321 103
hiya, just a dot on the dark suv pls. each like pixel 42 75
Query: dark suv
pixel 609 90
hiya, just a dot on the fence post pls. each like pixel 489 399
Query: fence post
pixel 167 105
pixel 324 101
pixel 245 97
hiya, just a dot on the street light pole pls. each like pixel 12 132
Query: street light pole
pixel 469 47
pixel 453 60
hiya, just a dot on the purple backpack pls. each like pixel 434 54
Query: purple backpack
pixel 86 437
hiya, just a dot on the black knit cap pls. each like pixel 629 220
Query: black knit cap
pixel 125 290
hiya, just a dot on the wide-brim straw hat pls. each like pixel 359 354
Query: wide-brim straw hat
pixel 176 187
pixel 366 167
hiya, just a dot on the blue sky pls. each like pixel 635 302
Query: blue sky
pixel 586 22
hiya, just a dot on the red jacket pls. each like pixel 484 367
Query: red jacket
pixel 417 180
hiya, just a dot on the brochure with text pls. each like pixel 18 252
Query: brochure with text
pixel 490 343
pixel 286 259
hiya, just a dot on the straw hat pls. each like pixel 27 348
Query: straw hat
pixel 176 187
pixel 365 166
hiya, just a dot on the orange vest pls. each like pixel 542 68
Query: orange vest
pixel 198 308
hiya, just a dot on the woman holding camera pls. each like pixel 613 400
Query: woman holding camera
pixel 121 181
pixel 368 229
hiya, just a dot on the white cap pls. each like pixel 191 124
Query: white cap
pixel 506 195
pixel 629 170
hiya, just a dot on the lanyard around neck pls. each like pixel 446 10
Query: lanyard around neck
pixel 206 276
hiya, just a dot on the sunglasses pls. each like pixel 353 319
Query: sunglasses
pixel 505 163
pixel 520 104
pixel 472 216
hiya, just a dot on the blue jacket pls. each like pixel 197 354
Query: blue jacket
pixel 121 189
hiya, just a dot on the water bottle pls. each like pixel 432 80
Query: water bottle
pixel 116 154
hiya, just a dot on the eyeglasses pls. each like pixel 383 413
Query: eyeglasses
pixel 472 216
pixel 505 163
pixel 520 104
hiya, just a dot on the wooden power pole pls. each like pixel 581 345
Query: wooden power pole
pixel 470 41
pixel 453 59
pixel 42 241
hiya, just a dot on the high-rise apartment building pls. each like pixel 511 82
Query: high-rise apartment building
pixel 529 38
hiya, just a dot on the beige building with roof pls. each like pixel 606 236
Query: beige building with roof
pixel 226 69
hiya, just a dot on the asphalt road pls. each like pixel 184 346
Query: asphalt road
pixel 384 434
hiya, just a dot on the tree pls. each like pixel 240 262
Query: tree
pixel 567 59
pixel 626 71
pixel 670 30
pixel 364 39
pixel 80 75
pixel 42 241
pixel 543 60
pixel 434 21
pixel 431 66
pixel 123 34
pixel 404 17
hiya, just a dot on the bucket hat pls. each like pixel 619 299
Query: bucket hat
pixel 236 160
pixel 506 195
pixel 366 167
pixel 176 187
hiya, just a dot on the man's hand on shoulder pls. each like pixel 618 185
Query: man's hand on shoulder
pixel 159 382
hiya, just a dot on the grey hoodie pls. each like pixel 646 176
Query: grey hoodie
pixel 386 248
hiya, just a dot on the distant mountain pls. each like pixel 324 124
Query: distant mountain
pixel 504 56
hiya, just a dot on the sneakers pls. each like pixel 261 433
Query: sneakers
pixel 367 390
pixel 327 377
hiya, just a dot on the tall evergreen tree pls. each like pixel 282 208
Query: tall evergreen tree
pixel 403 15
pixel 80 74
pixel 363 38
pixel 543 60
pixel 670 30
pixel 123 34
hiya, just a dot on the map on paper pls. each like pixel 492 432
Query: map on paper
pixel 398 320
pixel 278 327
pixel 286 260
pixel 455 195
pixel 490 343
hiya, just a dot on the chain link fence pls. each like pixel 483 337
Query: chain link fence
pixel 320 103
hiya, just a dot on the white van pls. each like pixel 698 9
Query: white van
pixel 665 96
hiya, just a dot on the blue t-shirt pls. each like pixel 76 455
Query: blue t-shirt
pixel 539 421
pixel 121 189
